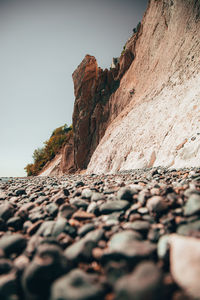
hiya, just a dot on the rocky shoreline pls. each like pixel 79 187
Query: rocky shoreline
pixel 132 235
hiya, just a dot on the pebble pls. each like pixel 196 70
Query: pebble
pixel 184 263
pixel 85 229
pixel 145 282
pixel 5 265
pixel 193 205
pixel 156 204
pixel 8 286
pixel 48 264
pixel 83 215
pixel 15 222
pixel 11 244
pixel 6 211
pixel 125 245
pixel 86 194
pixel 113 205
pixel 126 193
pixel 163 247
pixel 77 285
pixel 141 226
pixel 82 249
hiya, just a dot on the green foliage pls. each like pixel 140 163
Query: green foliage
pixel 136 29
pixel 123 51
pixel 60 136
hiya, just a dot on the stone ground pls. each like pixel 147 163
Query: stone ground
pixel 132 235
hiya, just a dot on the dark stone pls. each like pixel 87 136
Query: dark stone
pixel 116 269
pixel 59 198
pixel 48 264
pixel 82 249
pixel 113 205
pixel 66 192
pixel 71 230
pixel 85 229
pixel 66 210
pixel 125 245
pixel 15 222
pixel 34 227
pixel 8 286
pixel 79 183
pixel 77 285
pixel 79 203
pixel 6 211
pixel 5 266
pixel 154 235
pixel 12 244
pixel 145 282
pixel 20 192
pixel 3 226
pixel 126 193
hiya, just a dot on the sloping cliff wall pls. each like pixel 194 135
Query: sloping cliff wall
pixel 160 122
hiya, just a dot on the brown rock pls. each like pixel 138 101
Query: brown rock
pixel 81 215
pixel 144 283
pixel 93 88
pixel 33 228
pixel 156 204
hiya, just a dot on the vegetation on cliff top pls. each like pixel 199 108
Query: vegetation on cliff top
pixel 41 156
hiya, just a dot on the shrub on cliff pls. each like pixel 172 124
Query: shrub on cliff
pixel 60 136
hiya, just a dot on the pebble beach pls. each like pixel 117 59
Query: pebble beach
pixel 133 235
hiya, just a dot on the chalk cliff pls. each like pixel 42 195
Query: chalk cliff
pixel 160 122
pixel 144 111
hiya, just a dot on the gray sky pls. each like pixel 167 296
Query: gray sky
pixel 41 44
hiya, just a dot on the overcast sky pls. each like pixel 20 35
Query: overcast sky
pixel 41 44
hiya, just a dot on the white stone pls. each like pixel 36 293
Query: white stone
pixel 185 263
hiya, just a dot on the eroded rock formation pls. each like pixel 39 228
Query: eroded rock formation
pixel 93 88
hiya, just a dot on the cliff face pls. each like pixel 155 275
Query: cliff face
pixel 92 88
pixel 160 121
pixel 144 111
